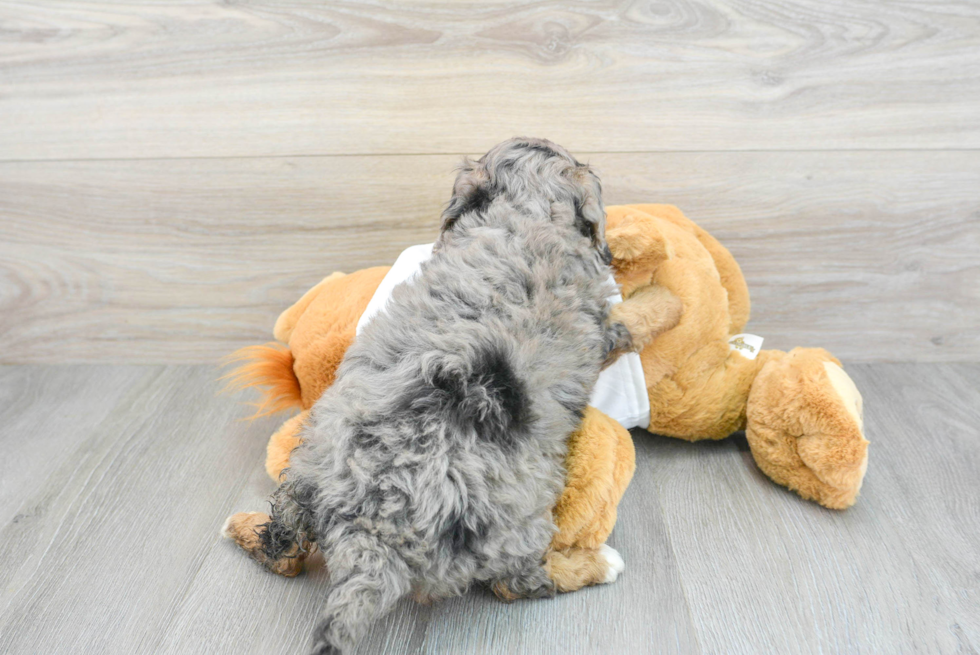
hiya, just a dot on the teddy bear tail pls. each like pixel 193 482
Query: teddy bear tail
pixel 269 367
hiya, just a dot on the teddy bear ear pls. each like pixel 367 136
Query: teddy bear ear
pixel 636 241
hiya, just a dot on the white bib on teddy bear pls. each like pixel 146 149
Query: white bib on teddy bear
pixel 620 392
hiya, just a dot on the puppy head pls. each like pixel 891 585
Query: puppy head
pixel 529 171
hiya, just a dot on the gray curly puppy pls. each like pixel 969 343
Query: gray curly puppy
pixel 435 459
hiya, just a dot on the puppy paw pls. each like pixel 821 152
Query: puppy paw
pixel 614 561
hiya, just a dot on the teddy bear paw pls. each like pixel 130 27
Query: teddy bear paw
pixel 615 563
pixel 805 426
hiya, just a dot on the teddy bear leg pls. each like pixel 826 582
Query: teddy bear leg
pixel 564 571
pixel 805 427
pixel 600 464
pixel 574 568
pixel 596 530
pixel 281 445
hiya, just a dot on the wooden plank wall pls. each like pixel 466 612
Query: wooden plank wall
pixel 173 175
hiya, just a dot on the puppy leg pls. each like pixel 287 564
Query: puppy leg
pixel 574 568
pixel 532 581
pixel 280 542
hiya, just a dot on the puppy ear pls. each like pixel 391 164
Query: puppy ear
pixel 590 216
pixel 470 192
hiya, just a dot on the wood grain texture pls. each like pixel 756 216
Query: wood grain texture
pixel 114 546
pixel 112 531
pixel 868 255
pixel 896 573
pixel 129 80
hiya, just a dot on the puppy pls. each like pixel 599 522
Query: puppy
pixel 435 459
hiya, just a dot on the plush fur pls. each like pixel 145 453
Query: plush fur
pixel 435 458
pixel 800 411
pixel 599 464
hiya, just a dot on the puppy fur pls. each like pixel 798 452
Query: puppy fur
pixel 436 457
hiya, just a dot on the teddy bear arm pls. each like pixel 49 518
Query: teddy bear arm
pixel 638 247
pixel 706 397
pixel 729 271
pixel 648 313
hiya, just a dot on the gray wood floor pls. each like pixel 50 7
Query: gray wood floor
pixel 116 480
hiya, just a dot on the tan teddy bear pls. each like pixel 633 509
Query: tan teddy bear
pixel 320 327
pixel 800 411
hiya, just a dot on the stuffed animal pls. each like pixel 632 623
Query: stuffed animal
pixel 320 327
pixel 801 413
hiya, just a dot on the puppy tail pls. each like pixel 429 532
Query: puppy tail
pixel 367 579
pixel 269 367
